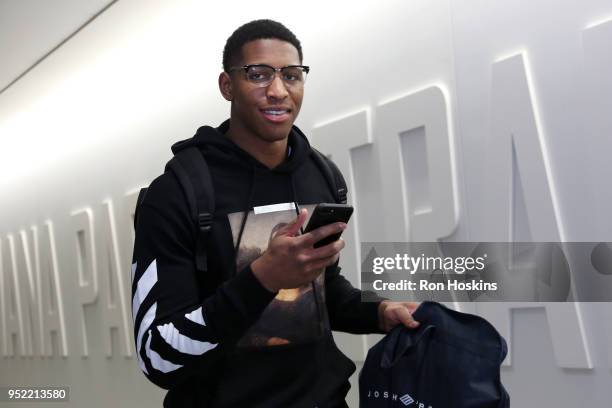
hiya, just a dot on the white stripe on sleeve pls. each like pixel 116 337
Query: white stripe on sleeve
pixel 196 316
pixel 144 326
pixel 183 343
pixel 157 361
pixel 145 283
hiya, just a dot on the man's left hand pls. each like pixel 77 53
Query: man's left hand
pixel 390 314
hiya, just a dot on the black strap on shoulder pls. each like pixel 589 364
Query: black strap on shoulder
pixel 193 174
pixel 332 175
pixel 139 200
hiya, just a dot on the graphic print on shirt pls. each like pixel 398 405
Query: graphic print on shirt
pixel 294 316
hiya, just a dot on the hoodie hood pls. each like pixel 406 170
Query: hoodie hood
pixel 215 145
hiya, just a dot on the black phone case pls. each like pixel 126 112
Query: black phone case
pixel 324 214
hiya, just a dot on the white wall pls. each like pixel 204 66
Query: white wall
pixel 462 82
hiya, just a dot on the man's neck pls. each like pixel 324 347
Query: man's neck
pixel 270 154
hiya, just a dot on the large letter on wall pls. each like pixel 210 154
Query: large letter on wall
pixel 598 74
pixel 3 338
pixel 564 320
pixel 50 292
pixel 417 167
pixel 14 329
pixel 31 305
pixel 114 310
pixel 515 147
pixel 3 334
pixel 515 138
pixel 3 304
pixel 129 205
pixel 336 139
pixel 597 120
pixel 82 227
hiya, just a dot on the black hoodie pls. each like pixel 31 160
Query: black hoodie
pixel 208 339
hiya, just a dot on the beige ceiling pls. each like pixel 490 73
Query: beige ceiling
pixel 31 29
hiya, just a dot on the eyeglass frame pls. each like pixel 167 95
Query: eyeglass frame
pixel 305 69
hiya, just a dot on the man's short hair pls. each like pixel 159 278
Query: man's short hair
pixel 256 30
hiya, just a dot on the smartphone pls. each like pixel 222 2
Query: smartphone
pixel 326 213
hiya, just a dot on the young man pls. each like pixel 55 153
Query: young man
pixel 255 329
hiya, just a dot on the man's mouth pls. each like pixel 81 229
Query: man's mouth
pixel 276 115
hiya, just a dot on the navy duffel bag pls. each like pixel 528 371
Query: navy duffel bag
pixel 452 360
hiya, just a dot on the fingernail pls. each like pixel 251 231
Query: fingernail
pixel 343 225
pixel 414 324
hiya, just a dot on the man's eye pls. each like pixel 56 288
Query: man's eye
pixel 256 76
pixel 293 75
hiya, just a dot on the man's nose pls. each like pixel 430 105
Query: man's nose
pixel 277 88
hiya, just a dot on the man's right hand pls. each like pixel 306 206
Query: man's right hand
pixel 291 261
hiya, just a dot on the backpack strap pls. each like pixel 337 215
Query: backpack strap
pixel 139 200
pixel 191 170
pixel 332 175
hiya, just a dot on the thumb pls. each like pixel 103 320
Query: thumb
pixel 293 228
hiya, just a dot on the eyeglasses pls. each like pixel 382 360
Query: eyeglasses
pixel 292 76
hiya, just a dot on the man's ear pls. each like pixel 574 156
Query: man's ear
pixel 225 86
